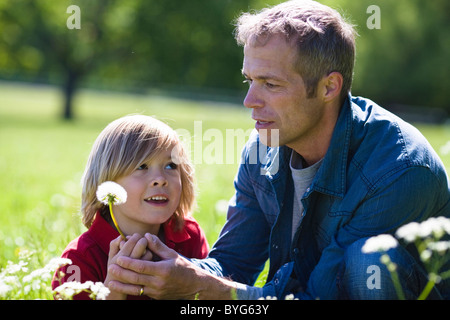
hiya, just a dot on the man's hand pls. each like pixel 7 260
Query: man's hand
pixel 135 247
pixel 173 277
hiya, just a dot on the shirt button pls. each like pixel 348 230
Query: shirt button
pixel 309 189
pixel 276 281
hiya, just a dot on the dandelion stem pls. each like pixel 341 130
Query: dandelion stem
pixel 114 220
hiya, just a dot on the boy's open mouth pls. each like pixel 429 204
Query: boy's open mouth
pixel 157 199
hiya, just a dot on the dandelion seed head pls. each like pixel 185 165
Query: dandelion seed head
pixel 110 191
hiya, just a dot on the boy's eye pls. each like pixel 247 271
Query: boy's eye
pixel 142 167
pixel 171 166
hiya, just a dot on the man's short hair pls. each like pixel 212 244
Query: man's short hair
pixel 325 41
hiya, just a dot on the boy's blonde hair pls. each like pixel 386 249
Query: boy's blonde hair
pixel 123 146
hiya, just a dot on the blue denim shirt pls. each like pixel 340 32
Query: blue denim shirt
pixel 378 174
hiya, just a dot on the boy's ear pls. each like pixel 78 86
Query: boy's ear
pixel 331 86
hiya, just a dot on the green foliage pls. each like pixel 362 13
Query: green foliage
pixel 130 44
pixel 189 44
pixel 406 60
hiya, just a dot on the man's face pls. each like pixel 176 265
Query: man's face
pixel 277 95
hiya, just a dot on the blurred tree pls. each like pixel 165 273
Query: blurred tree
pixel 159 43
pixel 36 41
pixel 406 61
pixel 143 42
pixel 183 43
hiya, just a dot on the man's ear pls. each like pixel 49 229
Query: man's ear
pixel 331 86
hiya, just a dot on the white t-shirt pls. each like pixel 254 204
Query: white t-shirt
pixel 302 178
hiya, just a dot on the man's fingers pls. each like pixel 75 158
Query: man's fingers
pixel 136 272
pixel 136 266
pixel 158 248
pixel 125 288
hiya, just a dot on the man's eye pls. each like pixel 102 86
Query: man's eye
pixel 247 81
pixel 270 85
pixel 142 167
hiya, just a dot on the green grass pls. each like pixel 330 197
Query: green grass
pixel 42 159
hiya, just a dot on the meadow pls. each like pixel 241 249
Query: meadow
pixel 42 159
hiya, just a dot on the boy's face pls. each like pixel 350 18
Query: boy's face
pixel 153 195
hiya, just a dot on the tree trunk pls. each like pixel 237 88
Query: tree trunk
pixel 69 90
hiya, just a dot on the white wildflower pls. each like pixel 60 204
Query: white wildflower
pixel 99 290
pixel 382 242
pixel 425 255
pixel 67 290
pixel 4 288
pixel 25 254
pixel 12 268
pixel 434 227
pixel 440 247
pixel 57 263
pixel 409 232
pixel 111 191
pixel 268 298
pixel 45 273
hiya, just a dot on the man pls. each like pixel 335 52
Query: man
pixel 338 169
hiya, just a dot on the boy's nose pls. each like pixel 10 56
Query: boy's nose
pixel 158 181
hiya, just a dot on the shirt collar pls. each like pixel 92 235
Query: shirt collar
pixel 331 177
pixel 175 236
pixel 103 233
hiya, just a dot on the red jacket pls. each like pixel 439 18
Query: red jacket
pixel 90 250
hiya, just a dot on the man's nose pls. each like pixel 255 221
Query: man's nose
pixel 253 98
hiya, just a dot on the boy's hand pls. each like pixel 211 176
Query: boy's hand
pixel 172 277
pixel 134 247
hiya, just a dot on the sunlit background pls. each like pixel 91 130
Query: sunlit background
pixel 178 61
